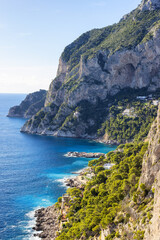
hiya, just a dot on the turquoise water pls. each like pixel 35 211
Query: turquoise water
pixel 32 169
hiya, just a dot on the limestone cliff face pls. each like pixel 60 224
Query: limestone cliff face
pixel 151 178
pixel 96 66
pixel 149 5
pixel 151 163
pixel 29 106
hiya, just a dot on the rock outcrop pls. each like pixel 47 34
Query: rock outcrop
pixel 47 223
pixel 84 154
pixel 29 106
pixel 151 177
pixel 150 5
pixel 96 66
pixel 49 220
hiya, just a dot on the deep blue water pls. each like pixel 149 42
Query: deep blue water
pixel 31 169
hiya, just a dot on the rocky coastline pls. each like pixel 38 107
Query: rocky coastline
pixel 29 106
pixel 47 219
pixel 84 154
pixel 47 223
pixel 50 220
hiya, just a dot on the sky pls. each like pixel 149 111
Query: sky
pixel 34 33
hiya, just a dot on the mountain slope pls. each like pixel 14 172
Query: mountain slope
pixel 95 67
pixel 122 202
pixel 151 177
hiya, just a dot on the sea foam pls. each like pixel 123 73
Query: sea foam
pixel 30 224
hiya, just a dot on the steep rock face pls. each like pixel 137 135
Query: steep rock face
pixel 149 5
pixel 96 66
pixel 29 106
pixel 153 230
pixel 151 177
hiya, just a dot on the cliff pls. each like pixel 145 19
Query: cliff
pixel 151 178
pixel 95 67
pixel 120 202
pixel 143 207
pixel 29 106
pixel 150 5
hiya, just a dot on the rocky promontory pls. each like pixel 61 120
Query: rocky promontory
pixel 29 106
pixel 47 223
pixel 96 67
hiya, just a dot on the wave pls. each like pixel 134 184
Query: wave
pixel 62 181
pixel 66 155
pixel 30 224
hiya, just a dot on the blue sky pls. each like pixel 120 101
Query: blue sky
pixel 33 34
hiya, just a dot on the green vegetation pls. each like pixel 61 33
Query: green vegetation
pixel 91 115
pixel 99 204
pixel 118 127
pixel 37 119
pixel 133 125
pixel 139 235
pixel 121 127
pixel 128 33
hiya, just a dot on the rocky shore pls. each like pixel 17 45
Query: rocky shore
pixel 47 219
pixel 80 180
pixel 84 154
pixel 47 223
pixel 29 106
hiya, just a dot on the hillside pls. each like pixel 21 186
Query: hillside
pixel 99 65
pixel 121 202
pixel 117 203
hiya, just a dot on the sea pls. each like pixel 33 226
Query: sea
pixel 32 171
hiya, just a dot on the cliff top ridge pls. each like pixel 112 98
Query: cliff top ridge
pixel 147 5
